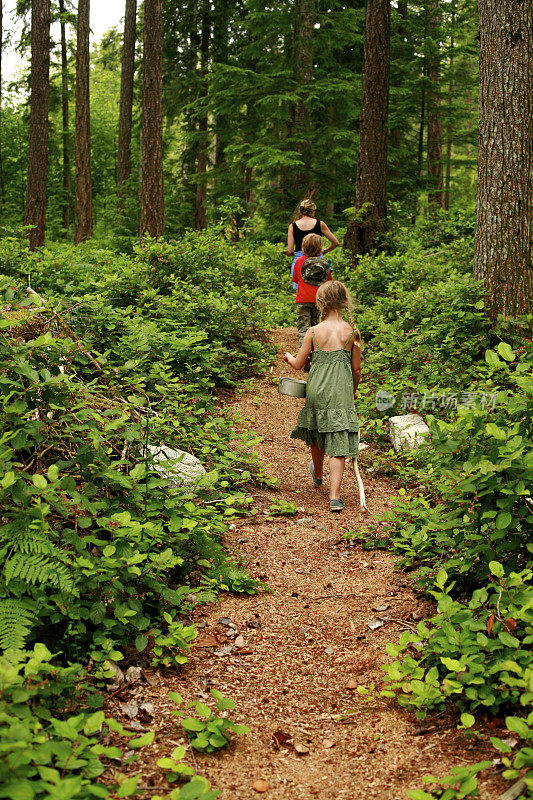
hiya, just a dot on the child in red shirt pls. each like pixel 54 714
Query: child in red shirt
pixel 307 313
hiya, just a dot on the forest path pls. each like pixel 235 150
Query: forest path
pixel 292 676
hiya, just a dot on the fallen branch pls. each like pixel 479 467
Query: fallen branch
pixel 514 791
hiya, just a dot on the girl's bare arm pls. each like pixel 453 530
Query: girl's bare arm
pixel 356 361
pixel 297 362
pixel 329 235
pixel 290 242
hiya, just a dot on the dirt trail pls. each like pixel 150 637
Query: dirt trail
pixel 291 675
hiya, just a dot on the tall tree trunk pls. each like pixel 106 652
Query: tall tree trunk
pixel 220 49
pixel 65 119
pixel 503 255
pixel 2 187
pixel 447 179
pixel 200 214
pixel 421 124
pixel 152 188
pixel 303 73
pixel 434 145
pixel 371 183
pixel 35 205
pixel 397 134
pixel 331 161
pixel 126 99
pixel 83 205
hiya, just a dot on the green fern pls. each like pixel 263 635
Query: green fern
pixel 38 569
pixel 15 624
pixel 31 557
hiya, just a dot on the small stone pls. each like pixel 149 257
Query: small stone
pixel 130 709
pixel 300 748
pixel 260 786
pixel 351 683
pixel 240 642
pixel 223 651
pixel 255 622
pixel 243 540
pixel 192 599
pixel 329 650
pixel 309 522
pixel 133 674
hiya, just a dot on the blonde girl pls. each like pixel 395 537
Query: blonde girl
pixel 328 422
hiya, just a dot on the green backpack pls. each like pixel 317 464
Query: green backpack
pixel 315 270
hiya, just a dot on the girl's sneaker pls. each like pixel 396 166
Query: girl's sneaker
pixel 336 505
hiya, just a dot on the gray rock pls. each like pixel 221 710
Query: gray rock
pixel 133 674
pixel 177 466
pixel 407 431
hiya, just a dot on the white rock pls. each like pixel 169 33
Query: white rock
pixel 407 431
pixel 177 466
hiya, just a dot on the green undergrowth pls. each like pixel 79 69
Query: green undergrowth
pixel 463 519
pixel 104 559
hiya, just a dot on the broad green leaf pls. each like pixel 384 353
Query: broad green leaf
pixel 493 430
pixel 492 359
pixel 94 723
pixel 191 724
pixel 505 350
pixel 496 569
pixel 142 741
pixel 517 725
pixel 503 520
pixel 128 787
pixel 468 720
pixel 39 481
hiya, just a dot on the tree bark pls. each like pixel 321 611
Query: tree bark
pixel 65 120
pixel 371 183
pixel 83 206
pixel 303 73
pixel 152 187
pixel 200 214
pixel 35 204
pixel 434 131
pixel 2 188
pixel 503 255
pixel 220 49
pixel 447 179
pixel 126 99
pixel 397 133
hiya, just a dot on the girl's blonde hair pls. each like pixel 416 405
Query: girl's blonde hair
pixel 312 244
pixel 334 296
pixel 306 207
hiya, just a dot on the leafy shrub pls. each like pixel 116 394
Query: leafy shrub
pixel 207 731
pixel 477 653
pixel 481 470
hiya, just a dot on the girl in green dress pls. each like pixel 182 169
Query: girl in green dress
pixel 328 422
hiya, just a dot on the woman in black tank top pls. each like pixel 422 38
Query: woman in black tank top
pixel 299 234
pixel 308 224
